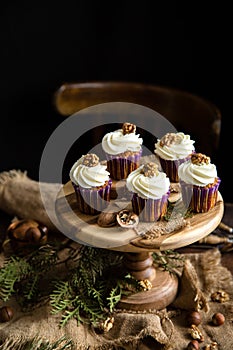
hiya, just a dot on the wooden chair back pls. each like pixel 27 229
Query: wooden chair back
pixel 189 113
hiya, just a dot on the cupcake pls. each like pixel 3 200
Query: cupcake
pixel 172 150
pixel 91 183
pixel 199 183
pixel 150 190
pixel 123 150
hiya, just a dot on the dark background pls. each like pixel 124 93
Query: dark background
pixel 183 45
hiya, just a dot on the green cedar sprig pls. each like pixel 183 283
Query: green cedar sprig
pixel 169 260
pixel 93 289
pixel 14 271
pixel 36 343
pixel 88 292
pixel 21 276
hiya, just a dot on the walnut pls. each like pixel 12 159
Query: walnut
pixel 127 219
pixel 200 159
pixel 128 128
pixel 107 219
pixel 196 333
pixel 145 284
pixel 170 139
pixel 106 325
pixel 90 160
pixel 220 296
pixel 212 346
pixel 150 169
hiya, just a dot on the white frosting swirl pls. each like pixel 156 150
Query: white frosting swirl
pixel 88 177
pixel 177 150
pixel 116 142
pixel 148 187
pixel 197 174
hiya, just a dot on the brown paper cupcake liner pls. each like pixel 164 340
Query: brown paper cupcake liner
pixel 121 166
pixel 93 201
pixel 170 167
pixel 150 209
pixel 200 199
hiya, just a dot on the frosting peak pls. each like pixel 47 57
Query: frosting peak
pixel 154 186
pixel 87 172
pixel 122 140
pixel 173 146
pixel 198 171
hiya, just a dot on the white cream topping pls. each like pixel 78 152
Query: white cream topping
pixel 181 148
pixel 116 142
pixel 88 177
pixel 148 187
pixel 197 174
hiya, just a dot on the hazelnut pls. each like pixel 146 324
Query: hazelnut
pixel 27 231
pixel 194 317
pixel 6 313
pixel 218 319
pixel 33 234
pixel 193 345
pixel 17 229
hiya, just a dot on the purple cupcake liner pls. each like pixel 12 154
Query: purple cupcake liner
pixel 93 201
pixel 120 167
pixel 170 167
pixel 150 210
pixel 199 199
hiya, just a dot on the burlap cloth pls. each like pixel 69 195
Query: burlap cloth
pixel 201 275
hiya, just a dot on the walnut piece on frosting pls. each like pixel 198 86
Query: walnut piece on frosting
pixel 150 169
pixel 200 159
pixel 128 128
pixel 170 139
pixel 90 160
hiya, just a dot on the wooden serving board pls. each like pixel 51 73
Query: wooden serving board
pixel 85 230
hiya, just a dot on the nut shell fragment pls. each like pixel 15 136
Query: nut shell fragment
pixel 127 219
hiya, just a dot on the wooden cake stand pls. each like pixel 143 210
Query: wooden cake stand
pixel 137 244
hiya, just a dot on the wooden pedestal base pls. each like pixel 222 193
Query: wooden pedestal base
pixel 164 285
